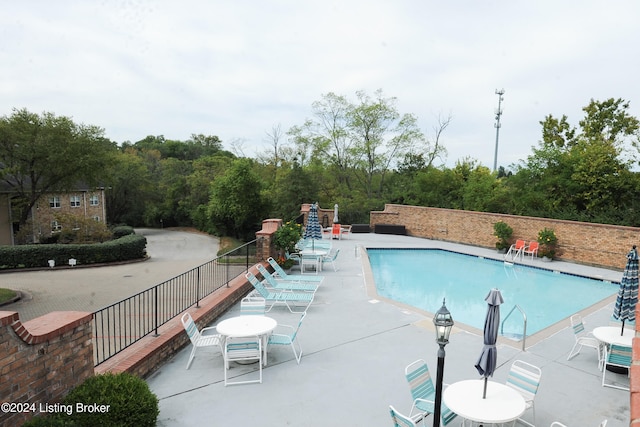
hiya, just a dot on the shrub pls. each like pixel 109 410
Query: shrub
pixel 502 231
pixel 548 242
pixel 122 230
pixel 131 402
pixel 286 237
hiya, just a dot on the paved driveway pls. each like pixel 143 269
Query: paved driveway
pixel 89 289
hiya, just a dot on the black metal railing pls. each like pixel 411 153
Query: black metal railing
pixel 119 325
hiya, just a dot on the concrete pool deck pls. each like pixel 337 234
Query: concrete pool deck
pixel 356 346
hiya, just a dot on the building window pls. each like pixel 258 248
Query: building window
pixel 54 202
pixel 96 218
pixel 75 201
pixel 94 200
pixel 55 226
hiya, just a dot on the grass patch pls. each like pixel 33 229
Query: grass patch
pixel 6 295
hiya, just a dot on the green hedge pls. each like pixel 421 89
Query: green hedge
pixel 129 247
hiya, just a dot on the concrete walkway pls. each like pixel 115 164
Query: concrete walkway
pixel 356 346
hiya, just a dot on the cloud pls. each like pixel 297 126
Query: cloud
pixel 236 69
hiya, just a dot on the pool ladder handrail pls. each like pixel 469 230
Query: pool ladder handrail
pixel 524 318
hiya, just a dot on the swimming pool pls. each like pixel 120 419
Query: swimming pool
pixel 423 277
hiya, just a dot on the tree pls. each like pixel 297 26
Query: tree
pixel 236 206
pixel 45 153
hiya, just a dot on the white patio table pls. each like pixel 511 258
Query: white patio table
pixel 316 255
pixel 502 404
pixel 249 326
pixel 611 335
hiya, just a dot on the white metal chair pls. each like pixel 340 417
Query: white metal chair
pixel 400 420
pixel 242 349
pixel 200 338
pixel 583 339
pixel 279 337
pixel 525 378
pixel 331 259
pixel 252 306
pixel 619 356
pixel 422 390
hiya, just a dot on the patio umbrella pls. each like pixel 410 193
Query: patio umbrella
pixel 625 308
pixel 313 230
pixel 335 213
pixel 488 358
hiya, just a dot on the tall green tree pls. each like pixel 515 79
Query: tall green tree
pixel 236 205
pixel 45 153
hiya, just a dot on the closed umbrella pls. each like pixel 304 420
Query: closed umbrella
pixel 335 214
pixel 625 308
pixel 313 230
pixel 488 358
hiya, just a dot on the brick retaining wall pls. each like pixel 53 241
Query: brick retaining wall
pixel 585 243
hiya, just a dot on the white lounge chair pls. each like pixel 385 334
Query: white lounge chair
pixel 280 273
pixel 200 338
pixel 273 297
pixel 284 285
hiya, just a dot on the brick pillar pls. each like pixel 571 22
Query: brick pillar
pixel 264 239
pixel 42 359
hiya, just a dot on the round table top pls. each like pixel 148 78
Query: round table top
pixel 501 405
pixel 611 335
pixel 246 326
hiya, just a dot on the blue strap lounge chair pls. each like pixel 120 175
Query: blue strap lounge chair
pixel 273 297
pixel 280 273
pixel 285 285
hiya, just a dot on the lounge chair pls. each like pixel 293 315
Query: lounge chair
pixel 284 285
pixel 200 338
pixel 280 273
pixel 273 297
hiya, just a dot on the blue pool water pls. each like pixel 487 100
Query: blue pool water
pixel 423 277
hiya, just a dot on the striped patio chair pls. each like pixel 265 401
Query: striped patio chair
pixel 422 390
pixel 619 356
pixel 525 378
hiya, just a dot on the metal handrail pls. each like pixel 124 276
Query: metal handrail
pixel 524 318
pixel 125 322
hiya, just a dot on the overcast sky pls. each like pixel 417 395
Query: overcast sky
pixel 237 68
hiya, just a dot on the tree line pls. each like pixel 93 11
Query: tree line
pixel 359 153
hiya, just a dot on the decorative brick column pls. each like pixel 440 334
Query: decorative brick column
pixel 42 359
pixel 264 239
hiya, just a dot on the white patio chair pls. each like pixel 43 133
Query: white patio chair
pixel 583 339
pixel 331 259
pixel 287 335
pixel 525 378
pixel 200 338
pixel 252 306
pixel 619 356
pixel 239 350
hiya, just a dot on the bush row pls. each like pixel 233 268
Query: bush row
pixel 129 247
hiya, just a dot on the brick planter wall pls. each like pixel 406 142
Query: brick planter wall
pixel 42 359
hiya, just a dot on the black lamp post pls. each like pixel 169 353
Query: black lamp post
pixel 443 323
